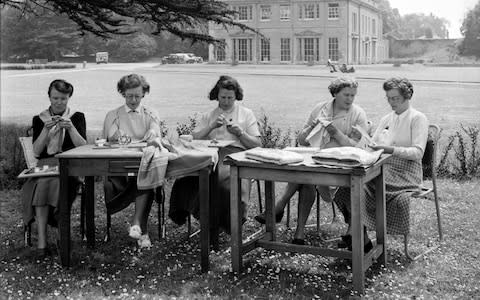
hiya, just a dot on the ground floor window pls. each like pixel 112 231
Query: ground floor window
pixel 354 50
pixel 309 49
pixel 242 50
pixel 265 50
pixel 285 49
pixel 220 51
pixel 333 53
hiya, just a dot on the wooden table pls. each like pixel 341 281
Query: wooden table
pixel 89 161
pixel 355 178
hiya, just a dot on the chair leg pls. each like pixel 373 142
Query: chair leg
pixel 259 190
pixel 318 211
pixel 288 214
pixel 82 214
pixel 437 205
pixel 334 213
pixel 27 235
pixel 109 225
pixel 162 230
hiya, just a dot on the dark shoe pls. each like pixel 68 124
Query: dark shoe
pixel 345 242
pixel 367 243
pixel 298 241
pixel 261 218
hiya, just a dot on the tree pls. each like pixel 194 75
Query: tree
pixel 183 18
pixel 471 31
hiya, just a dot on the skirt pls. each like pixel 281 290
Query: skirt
pixel 402 178
pixel 44 191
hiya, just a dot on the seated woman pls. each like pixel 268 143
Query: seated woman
pixel 402 133
pixel 56 129
pixel 340 115
pixel 139 123
pixel 228 121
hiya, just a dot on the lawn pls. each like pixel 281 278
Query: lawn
pixel 171 268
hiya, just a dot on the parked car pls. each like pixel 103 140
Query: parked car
pixel 173 59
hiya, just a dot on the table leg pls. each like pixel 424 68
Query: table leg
pixel 381 216
pixel 235 219
pixel 270 225
pixel 357 202
pixel 214 196
pixel 204 218
pixel 90 210
pixel 64 215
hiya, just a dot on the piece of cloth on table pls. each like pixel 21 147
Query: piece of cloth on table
pixel 120 191
pixel 275 156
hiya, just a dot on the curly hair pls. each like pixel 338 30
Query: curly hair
pixel 229 83
pixel 62 86
pixel 402 84
pixel 340 83
pixel 132 81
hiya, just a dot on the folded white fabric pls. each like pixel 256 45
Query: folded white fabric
pixel 275 156
pixel 346 157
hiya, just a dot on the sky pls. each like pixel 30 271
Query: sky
pixel 452 10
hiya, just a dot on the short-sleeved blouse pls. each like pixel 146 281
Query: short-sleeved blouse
pixel 240 115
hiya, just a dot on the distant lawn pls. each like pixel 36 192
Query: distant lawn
pixel 172 269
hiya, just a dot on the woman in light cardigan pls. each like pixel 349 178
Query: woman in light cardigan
pixel 402 133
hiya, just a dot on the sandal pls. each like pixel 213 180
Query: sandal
pixel 135 232
pixel 261 218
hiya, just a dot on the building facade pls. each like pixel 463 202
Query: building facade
pixel 298 32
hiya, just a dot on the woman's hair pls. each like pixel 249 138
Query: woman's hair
pixel 340 83
pixel 402 84
pixel 62 86
pixel 132 81
pixel 229 83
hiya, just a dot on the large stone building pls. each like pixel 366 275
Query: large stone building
pixel 296 32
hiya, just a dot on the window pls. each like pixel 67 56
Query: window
pixel 333 49
pixel 354 22
pixel 220 51
pixel 244 12
pixel 284 12
pixel 285 49
pixel 266 12
pixel 333 11
pixel 309 11
pixel 374 27
pixel 265 50
pixel 242 49
pixel 309 49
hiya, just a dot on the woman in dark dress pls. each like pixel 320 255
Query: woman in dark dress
pixel 56 129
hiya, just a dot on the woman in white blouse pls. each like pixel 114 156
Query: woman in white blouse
pixel 402 133
pixel 230 121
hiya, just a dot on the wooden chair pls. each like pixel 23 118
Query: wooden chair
pixel 31 161
pixel 429 171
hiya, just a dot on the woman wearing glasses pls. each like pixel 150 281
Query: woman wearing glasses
pixel 402 133
pixel 133 122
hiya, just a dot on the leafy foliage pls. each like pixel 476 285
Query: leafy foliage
pixel 187 128
pixel 471 31
pixel 12 161
pixel 272 136
pixel 183 18
pixel 464 162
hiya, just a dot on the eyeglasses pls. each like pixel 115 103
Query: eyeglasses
pixel 131 97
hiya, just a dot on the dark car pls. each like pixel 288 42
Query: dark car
pixel 172 59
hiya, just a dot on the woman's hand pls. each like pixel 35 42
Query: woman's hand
pixel 219 121
pixel 49 124
pixel 386 149
pixel 149 135
pixel 355 135
pixel 331 129
pixel 235 129
pixel 66 124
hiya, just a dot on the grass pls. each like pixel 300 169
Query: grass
pixel 171 268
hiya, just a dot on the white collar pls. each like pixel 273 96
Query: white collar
pixel 128 109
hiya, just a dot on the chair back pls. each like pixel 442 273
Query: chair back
pixel 430 154
pixel 27 147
